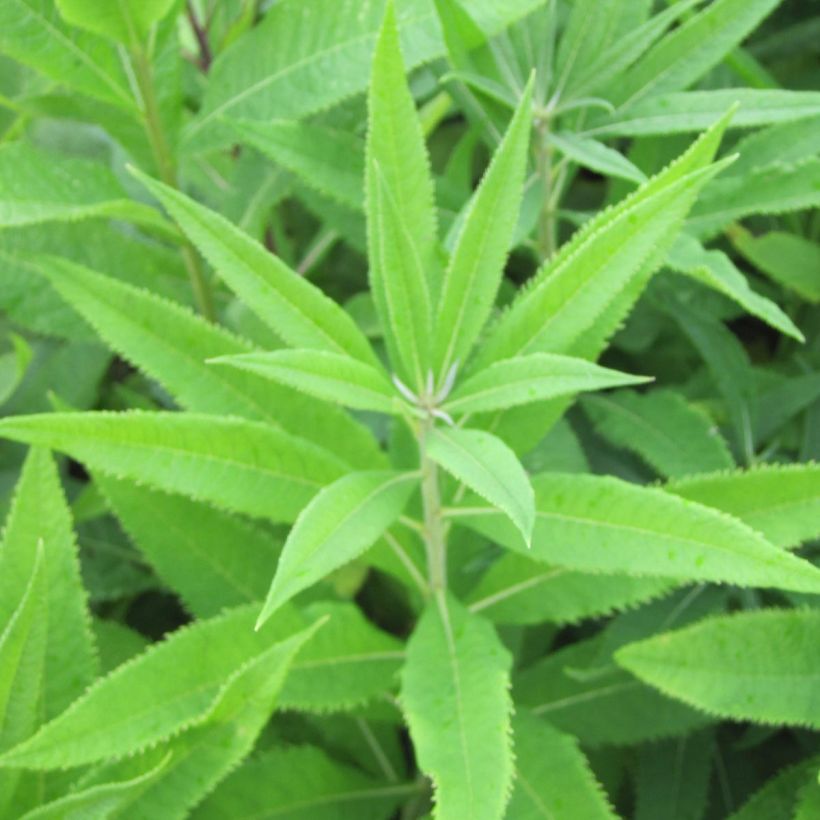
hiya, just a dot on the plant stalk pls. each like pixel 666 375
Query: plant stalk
pixel 434 534
pixel 546 236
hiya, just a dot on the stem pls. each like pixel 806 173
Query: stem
pixel 164 157
pixel 546 222
pixel 434 538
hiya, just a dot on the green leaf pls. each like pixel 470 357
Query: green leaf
pixel 33 32
pixel 212 559
pixel 324 790
pixel 695 110
pixel 337 526
pixel 486 465
pixel 596 156
pixel 760 666
pixel 552 776
pixel 401 220
pixel 329 376
pixel 782 501
pixel 667 432
pixel 236 464
pixel 778 797
pixel 530 378
pixel 116 643
pixel 602 524
pixel 38 187
pixel 328 160
pixel 454 693
pixel 124 21
pixel 716 269
pixel 474 274
pixel 294 308
pixel 520 590
pixel 790 260
pixel 169 687
pixel 172 344
pixel 13 366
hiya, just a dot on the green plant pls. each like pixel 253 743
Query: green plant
pixel 380 512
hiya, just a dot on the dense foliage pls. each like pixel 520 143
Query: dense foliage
pixel 410 409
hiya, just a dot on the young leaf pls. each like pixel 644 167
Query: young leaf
pixel 454 693
pixel 530 378
pixel 552 776
pixel 596 156
pixel 239 465
pixel 654 425
pixel 212 559
pixel 782 501
pixel 760 666
pixel 328 376
pixel 401 222
pixel 476 264
pixel 338 525
pixel 487 466
pixel 294 308
pixel 601 524
pixel 125 21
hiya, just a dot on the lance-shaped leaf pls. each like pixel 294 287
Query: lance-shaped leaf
pixel 329 376
pixel 212 559
pixel 487 466
pixel 125 21
pixel 294 308
pixel 165 689
pixel 596 156
pixel 760 666
pixel 655 425
pixel 520 590
pixel 328 160
pixel 477 262
pixel 171 344
pixel 240 465
pixel 695 110
pixel 455 695
pixel 37 188
pixel 324 790
pixel 401 221
pixel 603 524
pixel 782 501
pixel 339 524
pixel 716 270
pixel 552 776
pixel 534 377
pixel 204 754
pixel 778 796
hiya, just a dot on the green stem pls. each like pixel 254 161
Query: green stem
pixel 434 536
pixel 164 157
pixel 546 222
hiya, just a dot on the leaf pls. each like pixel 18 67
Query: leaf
pixel 602 524
pixel 552 777
pixel 778 796
pixel 487 466
pixel 125 21
pixel 172 344
pixel 530 378
pixel 324 790
pixel 589 153
pixel 212 559
pixel 37 188
pixel 760 666
pixel 689 111
pixel 240 465
pixel 476 265
pixel 716 269
pixel 687 52
pixel 454 694
pixel 349 662
pixel 337 526
pixel 329 376
pixel 169 687
pixel 667 432
pixel 790 260
pixel 13 366
pixel 520 590
pixel 330 161
pixel 401 221
pixel 295 309
pixel 33 32
pixel 782 501
pixel 116 643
